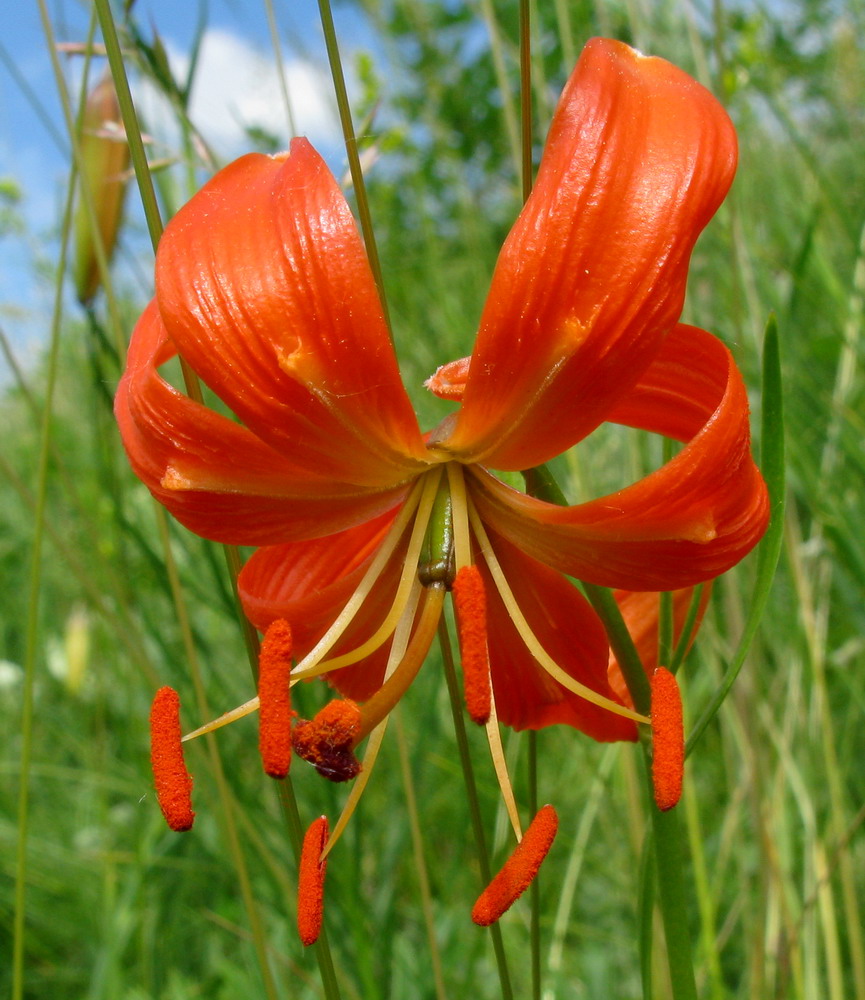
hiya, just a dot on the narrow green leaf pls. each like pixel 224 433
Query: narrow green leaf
pixel 773 469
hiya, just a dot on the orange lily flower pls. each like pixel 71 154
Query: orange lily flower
pixel 264 288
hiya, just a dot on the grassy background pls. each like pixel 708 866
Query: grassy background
pixel 118 907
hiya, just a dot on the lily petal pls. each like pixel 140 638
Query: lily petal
pixel 215 476
pixel 264 286
pixel 688 521
pixel 592 276
pixel 569 630
pixel 309 583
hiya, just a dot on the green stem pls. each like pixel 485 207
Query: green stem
pixel 672 896
pixel 351 151
pixel 144 181
pixel 138 155
pixel 474 801
pixel 669 852
pixel 229 820
pixel 646 911
pixel 323 955
pixel 419 851
pixel 130 120
pixel 33 599
pixel 526 98
pixel 534 889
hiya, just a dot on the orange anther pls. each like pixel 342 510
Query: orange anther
pixel 519 870
pixel 310 882
pixel 274 711
pixel 328 741
pixel 470 601
pixel 668 739
pixel 173 781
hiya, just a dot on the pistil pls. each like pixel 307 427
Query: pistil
pixel 389 694
pixel 327 741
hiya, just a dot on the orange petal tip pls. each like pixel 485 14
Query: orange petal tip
pixel 173 781
pixel 519 871
pixel 668 739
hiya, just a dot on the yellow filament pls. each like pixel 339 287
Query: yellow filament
pixel 497 752
pixel 313 664
pixel 459 506
pixel 419 500
pixel 247 708
pixel 529 638
pixel 397 651
pixel 383 701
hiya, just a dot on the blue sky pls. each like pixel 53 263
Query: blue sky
pixel 237 86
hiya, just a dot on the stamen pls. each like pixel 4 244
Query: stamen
pixel 519 870
pixel 470 602
pixel 497 752
pixel 328 740
pixel 310 882
pixel 418 506
pixel 668 739
pixel 173 781
pixel 376 737
pixel 389 694
pixel 314 664
pixel 247 708
pixel 274 715
pixel 459 509
pixel 529 638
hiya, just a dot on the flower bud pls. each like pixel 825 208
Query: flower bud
pixel 104 166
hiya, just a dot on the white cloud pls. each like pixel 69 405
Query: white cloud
pixel 237 86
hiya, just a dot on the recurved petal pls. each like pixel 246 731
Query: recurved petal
pixel 688 521
pixel 264 286
pixel 592 276
pixel 569 630
pixel 217 477
pixel 309 583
